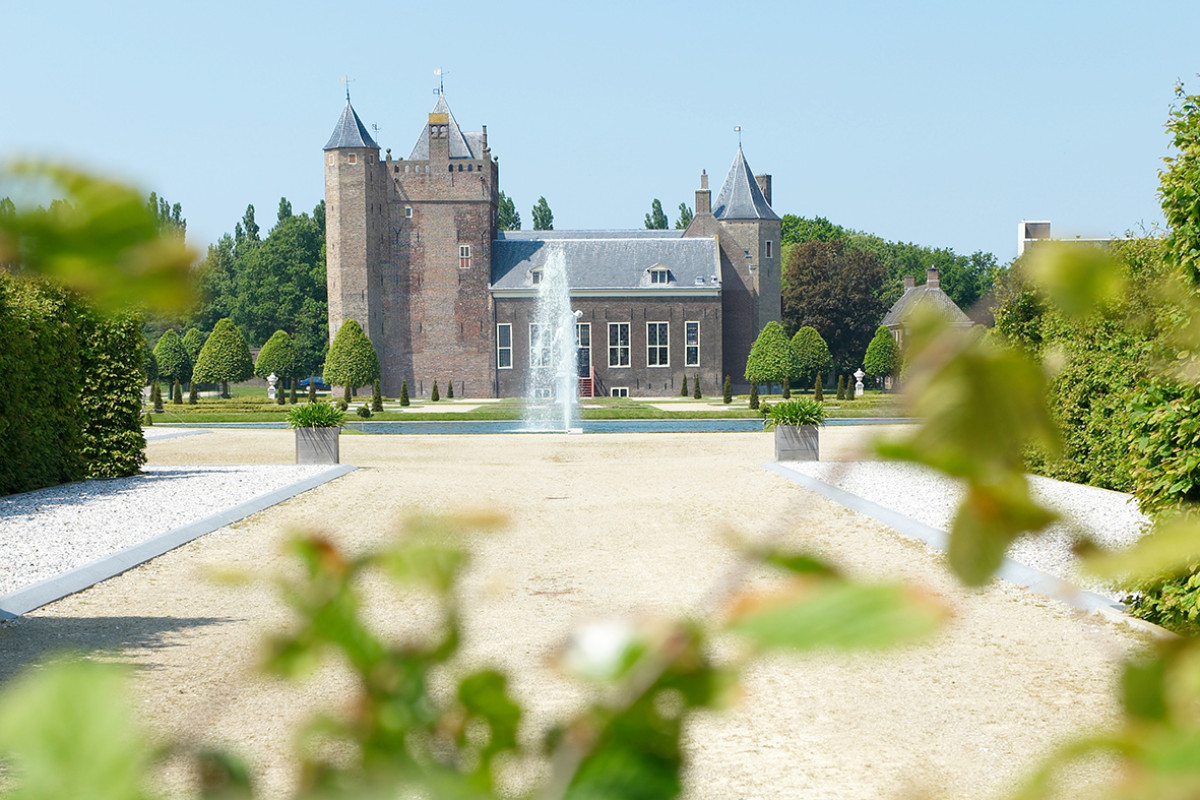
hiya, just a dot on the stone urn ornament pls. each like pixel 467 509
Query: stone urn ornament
pixel 858 384
pixel 272 379
pixel 796 424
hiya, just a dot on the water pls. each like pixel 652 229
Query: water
pixel 468 426
pixel 552 403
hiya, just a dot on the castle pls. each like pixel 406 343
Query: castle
pixel 414 255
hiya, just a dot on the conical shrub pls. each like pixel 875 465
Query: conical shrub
pixel 727 391
pixel 434 396
pixel 753 396
pixel 404 393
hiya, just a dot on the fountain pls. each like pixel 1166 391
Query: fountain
pixel 552 403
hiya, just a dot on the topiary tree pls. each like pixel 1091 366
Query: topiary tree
pixel 883 355
pixel 156 396
pixel 171 357
pixel 771 359
pixel 450 390
pixel 376 397
pixel 225 358
pixel 841 392
pixel 727 391
pixel 684 391
pixel 312 391
pixel 277 356
pixel 849 387
pixel 753 396
pixel 193 343
pixel 404 393
pixel 435 396
pixel 818 390
pixel 787 388
pixel 352 361
pixel 696 387
pixel 812 353
pixel 193 394
pixel 176 392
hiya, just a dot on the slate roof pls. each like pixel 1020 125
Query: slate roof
pixel 740 197
pixel 350 132
pixel 462 145
pixel 921 295
pixel 607 260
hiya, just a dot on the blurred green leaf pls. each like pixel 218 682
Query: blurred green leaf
pixel 99 238
pixel 1142 688
pixel 990 518
pixel 837 614
pixel 1078 278
pixel 798 563
pixel 69 731
pixel 1172 546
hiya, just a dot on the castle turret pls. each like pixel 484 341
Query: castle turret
pixel 354 221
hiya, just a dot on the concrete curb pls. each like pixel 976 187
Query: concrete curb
pixel 1018 574
pixel 39 594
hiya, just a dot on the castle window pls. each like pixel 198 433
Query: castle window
pixel 691 349
pixel 618 344
pixel 660 275
pixel 450 168
pixel 371 159
pixel 352 158
pixel 504 346
pixel 464 256
pixel 657 344
pixel 331 159
pixel 470 167
pixel 460 167
pixel 408 212
pixel 619 391
pixel 541 339
pixel 535 275
pixel 768 248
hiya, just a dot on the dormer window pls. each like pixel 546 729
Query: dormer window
pixel 535 275
pixel 659 274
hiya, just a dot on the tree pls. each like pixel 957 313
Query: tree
pixel 727 391
pixel 225 358
pixel 216 285
pixel 835 289
pixel 352 360
pixel 696 387
pixel 883 355
pixel 683 392
pixel 507 216
pixel 685 217
pixel 1179 185
pixel 404 401
pixel 656 220
pixel 543 217
pixel 172 358
pixel 277 356
pixel 193 342
pixel 285 209
pixel 771 358
pixel 169 217
pixel 812 353
pixel 376 396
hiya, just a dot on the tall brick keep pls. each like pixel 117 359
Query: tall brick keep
pixel 414 238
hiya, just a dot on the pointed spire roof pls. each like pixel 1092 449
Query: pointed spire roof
pixel 469 145
pixel 740 197
pixel 350 132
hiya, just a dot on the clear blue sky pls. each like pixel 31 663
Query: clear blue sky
pixel 938 123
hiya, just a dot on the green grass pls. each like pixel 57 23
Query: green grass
pixel 249 404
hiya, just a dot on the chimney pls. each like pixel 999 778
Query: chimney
pixel 764 185
pixel 931 278
pixel 909 282
pixel 485 147
pixel 703 195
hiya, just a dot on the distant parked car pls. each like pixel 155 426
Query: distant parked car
pixel 320 383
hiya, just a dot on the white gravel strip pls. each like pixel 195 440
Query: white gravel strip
pixel 1110 518
pixel 52 531
pixel 153 434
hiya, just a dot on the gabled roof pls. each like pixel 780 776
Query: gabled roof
pixel 740 197
pixel 930 296
pixel 607 260
pixel 350 132
pixel 469 145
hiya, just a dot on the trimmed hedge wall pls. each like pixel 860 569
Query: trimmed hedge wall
pixel 70 404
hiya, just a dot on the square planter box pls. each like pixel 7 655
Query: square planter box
pixel 317 445
pixel 797 443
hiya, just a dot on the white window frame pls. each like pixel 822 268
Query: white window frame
pixel 661 350
pixel 580 328
pixel 546 348
pixel 408 212
pixel 618 348
pixel 501 348
pixel 619 391
pixel 660 276
pixel 464 256
pixel 688 347
pixel 535 276
pixel 352 158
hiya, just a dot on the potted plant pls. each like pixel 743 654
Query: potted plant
pixel 795 423
pixel 317 427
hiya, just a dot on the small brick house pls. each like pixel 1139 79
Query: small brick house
pixel 414 255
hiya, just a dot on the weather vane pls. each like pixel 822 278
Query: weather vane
pixel 346 81
pixel 441 76
pixel 376 129
pixel 738 130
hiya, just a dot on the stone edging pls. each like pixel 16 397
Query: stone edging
pixel 39 594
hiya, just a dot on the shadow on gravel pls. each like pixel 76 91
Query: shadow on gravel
pixel 33 640
pixel 92 489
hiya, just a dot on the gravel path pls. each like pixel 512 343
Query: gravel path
pixel 51 531
pixel 601 527
pixel 1110 518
